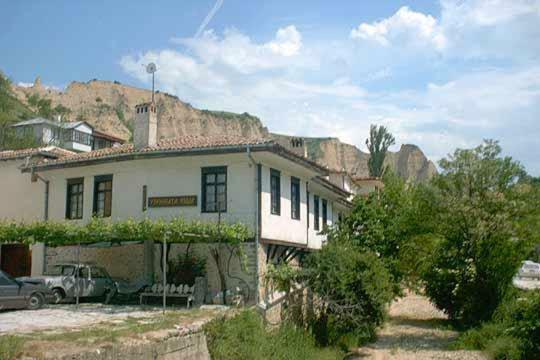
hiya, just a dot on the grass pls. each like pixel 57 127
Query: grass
pixel 10 347
pixel 245 337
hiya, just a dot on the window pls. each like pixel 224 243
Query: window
pixel 214 189
pixel 74 199
pixel 295 198
pixel 324 213
pixel 275 192
pixel 78 137
pixel 103 195
pixel 316 212
pixel 84 273
pixel 5 281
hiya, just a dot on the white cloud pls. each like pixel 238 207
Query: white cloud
pixel 25 84
pixel 404 27
pixel 298 88
pixel 287 43
pixel 465 29
pixel 238 52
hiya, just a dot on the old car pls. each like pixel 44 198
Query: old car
pixel 529 270
pixel 16 294
pixel 69 279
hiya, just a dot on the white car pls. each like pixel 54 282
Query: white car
pixel 529 270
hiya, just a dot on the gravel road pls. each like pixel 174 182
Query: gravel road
pixel 415 330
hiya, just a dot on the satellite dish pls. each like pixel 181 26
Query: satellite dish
pixel 151 68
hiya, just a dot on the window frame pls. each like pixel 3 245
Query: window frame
pixel 98 180
pixel 69 194
pixel 213 170
pixel 275 192
pixel 316 212
pixel 324 208
pixel 295 203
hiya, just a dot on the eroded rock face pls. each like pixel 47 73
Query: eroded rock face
pixel 409 162
pixel 109 107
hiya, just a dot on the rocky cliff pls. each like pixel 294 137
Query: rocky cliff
pixel 109 107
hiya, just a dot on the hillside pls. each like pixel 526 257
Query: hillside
pixel 109 107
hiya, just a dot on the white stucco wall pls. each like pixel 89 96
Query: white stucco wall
pixel 20 199
pixel 163 177
pixel 282 227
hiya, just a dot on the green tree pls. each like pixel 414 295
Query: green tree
pixel 352 288
pixel 482 211
pixel 11 111
pixel 378 143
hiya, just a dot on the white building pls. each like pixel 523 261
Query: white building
pixel 283 197
pixel 74 136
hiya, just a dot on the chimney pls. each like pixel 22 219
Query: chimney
pixel 298 146
pixel 145 131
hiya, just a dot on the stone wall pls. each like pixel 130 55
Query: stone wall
pixel 187 347
pixel 127 262
pixel 239 273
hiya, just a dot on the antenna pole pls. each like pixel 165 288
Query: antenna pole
pixel 152 87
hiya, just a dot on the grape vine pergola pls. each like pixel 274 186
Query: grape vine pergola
pixel 99 231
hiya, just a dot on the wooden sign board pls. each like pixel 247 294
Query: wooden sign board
pixel 172 201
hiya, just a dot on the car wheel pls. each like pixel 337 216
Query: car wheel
pixel 35 302
pixel 58 296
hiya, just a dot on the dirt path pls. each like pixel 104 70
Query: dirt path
pixel 415 330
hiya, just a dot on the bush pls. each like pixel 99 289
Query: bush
pixel 514 332
pixel 485 231
pixel 352 288
pixel 185 269
pixel 245 337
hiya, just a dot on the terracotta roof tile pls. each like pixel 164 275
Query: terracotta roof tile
pixel 179 145
pixel 49 151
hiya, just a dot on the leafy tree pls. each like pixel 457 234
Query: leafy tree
pixel 11 111
pixel 352 290
pixel 484 229
pixel 378 143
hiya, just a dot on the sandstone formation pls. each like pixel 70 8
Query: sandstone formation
pixel 109 107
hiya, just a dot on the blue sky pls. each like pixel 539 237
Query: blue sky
pixel 440 74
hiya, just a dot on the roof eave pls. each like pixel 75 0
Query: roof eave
pixel 184 152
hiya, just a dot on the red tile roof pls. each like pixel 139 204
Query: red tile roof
pixel 49 151
pixel 184 144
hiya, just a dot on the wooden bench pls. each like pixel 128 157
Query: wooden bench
pixel 189 297
pixel 171 291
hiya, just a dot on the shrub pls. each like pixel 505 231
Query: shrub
pixel 352 288
pixel 185 269
pixel 245 337
pixel 485 230
pixel 514 332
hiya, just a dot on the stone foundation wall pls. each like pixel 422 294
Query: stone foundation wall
pixel 239 273
pixel 127 262
pixel 186 347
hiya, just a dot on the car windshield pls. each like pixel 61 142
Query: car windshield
pixel 7 276
pixel 61 270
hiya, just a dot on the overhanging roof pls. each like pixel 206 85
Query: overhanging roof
pixel 183 146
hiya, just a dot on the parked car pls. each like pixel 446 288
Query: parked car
pixel 16 294
pixel 529 270
pixel 66 280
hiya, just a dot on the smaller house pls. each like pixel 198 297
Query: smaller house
pixel 78 136
pixel 367 184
